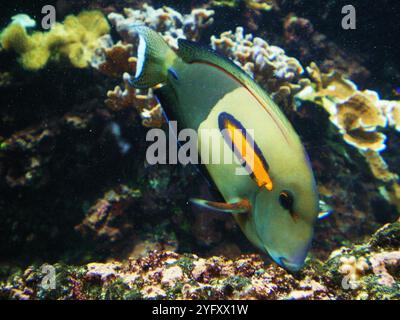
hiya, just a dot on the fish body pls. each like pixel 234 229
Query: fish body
pixel 276 202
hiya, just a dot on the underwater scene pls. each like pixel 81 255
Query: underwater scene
pixel 203 149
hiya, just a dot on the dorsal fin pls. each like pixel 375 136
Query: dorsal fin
pixel 192 52
pixel 154 58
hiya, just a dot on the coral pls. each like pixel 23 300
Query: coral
pixel 118 59
pixel 304 41
pixel 353 269
pixel 169 275
pixel 381 262
pixel 66 160
pixel 265 5
pixel 104 219
pixel 24 146
pixel 379 167
pixel 76 40
pixel 358 115
pixel 142 100
pixel 170 23
pixel 279 74
pixel 258 5
pixel 5 79
pixel 114 60
pixel 392 111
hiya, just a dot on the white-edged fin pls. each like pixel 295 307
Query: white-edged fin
pixel 140 56
pixel 242 206
pixel 325 210
pixel 154 58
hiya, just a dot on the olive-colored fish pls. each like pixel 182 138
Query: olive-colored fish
pixel 276 204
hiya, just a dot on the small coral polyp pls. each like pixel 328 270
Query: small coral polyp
pixel 75 40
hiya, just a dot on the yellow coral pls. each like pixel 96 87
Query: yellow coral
pixel 379 166
pixel 75 39
pixel 259 5
pixel 15 37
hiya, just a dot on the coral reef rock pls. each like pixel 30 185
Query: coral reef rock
pixel 366 271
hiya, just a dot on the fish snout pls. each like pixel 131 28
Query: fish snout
pixel 292 266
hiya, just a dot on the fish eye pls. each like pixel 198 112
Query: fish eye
pixel 286 200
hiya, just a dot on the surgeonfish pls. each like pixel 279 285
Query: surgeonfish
pixel 276 204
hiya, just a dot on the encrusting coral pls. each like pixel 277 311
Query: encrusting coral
pixel 279 74
pixel 359 115
pixel 101 218
pixel 383 261
pixel 75 40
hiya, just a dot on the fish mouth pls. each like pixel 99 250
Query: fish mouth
pixel 290 265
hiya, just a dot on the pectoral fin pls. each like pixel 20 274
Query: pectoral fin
pixel 241 206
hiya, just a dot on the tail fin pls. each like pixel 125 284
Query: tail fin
pixel 154 59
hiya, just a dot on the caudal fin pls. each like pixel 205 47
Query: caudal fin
pixel 154 59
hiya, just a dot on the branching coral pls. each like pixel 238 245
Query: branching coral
pixel 279 74
pixel 170 23
pixel 143 100
pixel 114 60
pixel 75 39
